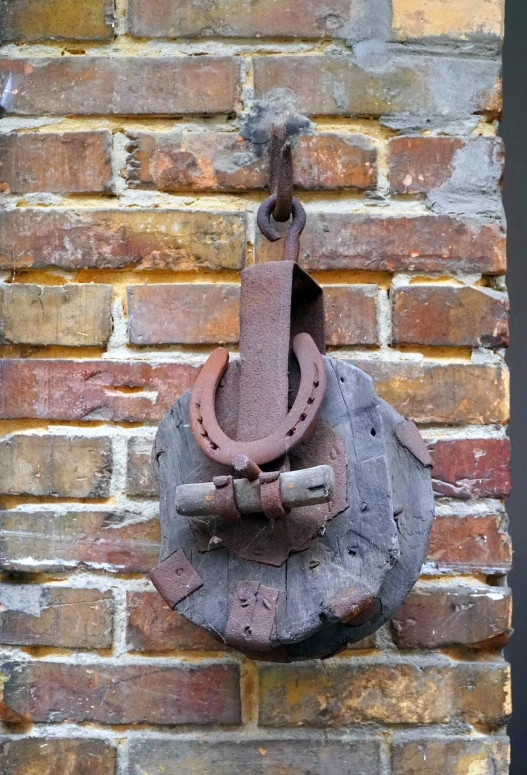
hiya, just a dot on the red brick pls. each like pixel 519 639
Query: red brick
pixel 472 543
pixel 140 478
pixel 153 626
pixel 93 85
pixel 208 314
pixel 471 468
pixel 340 85
pixel 418 243
pixel 63 163
pixel 69 315
pixel 435 617
pixel 220 161
pixel 428 392
pixel 351 314
pixel 255 757
pixel 56 19
pixel 55 692
pixel 117 542
pixel 183 314
pixel 234 18
pixel 114 239
pixel 55 616
pixel 447 316
pixel 52 755
pixel 421 164
pixel 348 692
pixel 439 756
pixel 91 390
pixel 56 466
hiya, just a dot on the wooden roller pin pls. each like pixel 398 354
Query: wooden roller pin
pixel 306 487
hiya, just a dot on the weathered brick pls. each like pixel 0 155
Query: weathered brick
pixel 208 314
pixel 153 626
pixel 112 239
pixel 63 163
pixel 140 478
pixel 167 86
pixel 483 693
pixel 351 314
pixel 353 693
pixel 477 19
pixel 184 314
pixel 55 692
pixel 428 392
pixel 421 164
pixel 218 161
pixel 471 468
pixel 426 243
pixel 234 18
pixel 56 19
pixel 448 316
pixel 342 85
pixel 58 466
pixel 117 542
pixel 433 617
pixel 256 757
pixel 69 315
pixel 55 756
pixel 438 756
pixel 472 543
pixel 91 390
pixel 31 615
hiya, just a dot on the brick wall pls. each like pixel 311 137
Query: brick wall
pixel 132 161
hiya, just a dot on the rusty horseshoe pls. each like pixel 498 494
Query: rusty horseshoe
pixel 217 446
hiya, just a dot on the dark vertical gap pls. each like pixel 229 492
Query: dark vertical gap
pixel 514 132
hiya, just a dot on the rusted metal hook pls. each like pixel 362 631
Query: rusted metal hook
pixel 292 237
pixel 281 173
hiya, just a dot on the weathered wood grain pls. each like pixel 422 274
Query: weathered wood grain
pixel 374 548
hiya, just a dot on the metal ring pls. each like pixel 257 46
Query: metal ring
pixel 269 231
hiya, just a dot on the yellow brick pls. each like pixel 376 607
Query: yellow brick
pixel 453 18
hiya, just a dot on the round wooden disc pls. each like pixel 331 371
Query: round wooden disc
pixel 360 561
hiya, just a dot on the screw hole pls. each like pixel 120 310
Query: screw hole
pixel 373 432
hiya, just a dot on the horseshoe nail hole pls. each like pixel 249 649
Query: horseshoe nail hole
pixel 353 552
pixel 247 630
pixel 373 432
pixel 342 379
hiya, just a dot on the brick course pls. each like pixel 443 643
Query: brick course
pixel 217 161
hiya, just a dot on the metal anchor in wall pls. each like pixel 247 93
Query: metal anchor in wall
pixel 295 504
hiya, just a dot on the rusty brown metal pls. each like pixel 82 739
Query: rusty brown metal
pixel 246 468
pixel 175 578
pixel 281 173
pixel 252 614
pixel 292 235
pixel 289 432
pixel 225 499
pixel 408 435
pixel 357 608
pixel 272 504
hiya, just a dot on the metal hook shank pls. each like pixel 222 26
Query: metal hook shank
pixel 217 446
